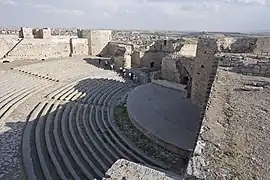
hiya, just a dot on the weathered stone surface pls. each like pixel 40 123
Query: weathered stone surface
pixel 126 170
pixel 26 33
pixel 233 143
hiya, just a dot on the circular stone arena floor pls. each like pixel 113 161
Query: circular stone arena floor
pixel 164 115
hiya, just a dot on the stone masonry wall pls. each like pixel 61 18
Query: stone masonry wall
pixel 261 68
pixel 78 46
pixel 44 48
pixel 262 46
pixel 6 44
pixel 245 64
pixel 40 48
pixel 169 69
pixel 204 71
pixel 175 67
pixel 98 40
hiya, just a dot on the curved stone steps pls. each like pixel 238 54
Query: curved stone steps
pixel 105 99
pixel 40 142
pixel 105 91
pixel 78 141
pixel 80 90
pixel 52 151
pixel 57 91
pixel 61 146
pixel 75 89
pixel 89 158
pixel 94 91
pixel 95 95
pixel 98 134
pixel 75 155
pixel 110 124
pixel 29 161
pixel 94 142
pixel 90 143
pixel 11 103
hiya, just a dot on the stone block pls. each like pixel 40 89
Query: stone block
pixel 256 71
pixel 124 169
pixel 26 33
pixel 78 46
pixel 127 61
pixel 246 70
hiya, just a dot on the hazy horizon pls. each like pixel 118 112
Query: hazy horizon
pixel 161 15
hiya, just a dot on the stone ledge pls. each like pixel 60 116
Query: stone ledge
pixel 171 85
pixel 126 170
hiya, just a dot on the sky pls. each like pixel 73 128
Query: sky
pixel 184 15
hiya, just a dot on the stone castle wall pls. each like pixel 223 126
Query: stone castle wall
pixel 204 71
pixel 98 40
pixel 262 46
pixel 175 67
pixel 246 64
pixel 43 48
pixel 257 45
pixel 6 44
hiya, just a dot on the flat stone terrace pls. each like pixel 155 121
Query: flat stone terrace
pixel 164 115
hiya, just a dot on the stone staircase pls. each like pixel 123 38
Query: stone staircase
pixel 72 134
pixel 15 89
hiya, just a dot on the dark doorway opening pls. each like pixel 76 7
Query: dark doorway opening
pixel 152 64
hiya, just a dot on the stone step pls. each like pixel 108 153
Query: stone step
pixel 30 165
pixel 74 89
pixel 80 90
pixel 72 150
pixel 135 151
pixel 12 102
pixel 111 123
pixel 93 141
pixel 105 91
pixel 52 151
pixel 93 92
pixel 73 140
pixel 62 113
pixel 40 144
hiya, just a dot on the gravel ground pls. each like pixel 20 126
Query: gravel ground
pixel 235 141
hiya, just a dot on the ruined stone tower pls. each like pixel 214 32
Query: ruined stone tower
pixel 204 71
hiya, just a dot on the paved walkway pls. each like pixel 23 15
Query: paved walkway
pixel 165 113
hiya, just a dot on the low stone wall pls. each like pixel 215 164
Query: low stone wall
pixel 257 45
pixel 43 48
pixel 261 68
pixel 40 48
pixel 6 44
pixel 175 67
pixel 246 64
pixel 236 44
pixel 262 46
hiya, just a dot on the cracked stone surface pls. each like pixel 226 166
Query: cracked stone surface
pixel 125 170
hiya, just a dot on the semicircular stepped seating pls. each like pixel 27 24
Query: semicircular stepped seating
pixel 15 89
pixel 77 138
